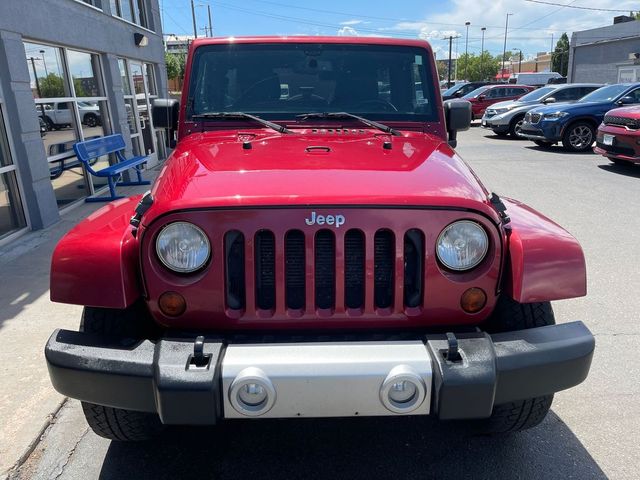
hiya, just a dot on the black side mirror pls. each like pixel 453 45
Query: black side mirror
pixel 457 116
pixel 628 100
pixel 549 100
pixel 481 98
pixel 165 113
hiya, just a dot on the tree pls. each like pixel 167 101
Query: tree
pixel 51 86
pixel 173 65
pixel 560 56
pixel 479 67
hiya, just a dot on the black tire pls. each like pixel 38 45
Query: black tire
pixel 121 425
pixel 515 126
pixel 49 123
pixel 579 137
pixel 90 120
pixel 123 327
pixel 510 315
pixel 543 144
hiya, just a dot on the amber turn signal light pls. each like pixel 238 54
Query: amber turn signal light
pixel 473 300
pixel 172 304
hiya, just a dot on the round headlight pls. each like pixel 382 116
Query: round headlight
pixel 183 247
pixel 462 245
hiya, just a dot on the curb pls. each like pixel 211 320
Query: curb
pixel 34 443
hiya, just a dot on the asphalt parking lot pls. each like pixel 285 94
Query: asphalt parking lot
pixel 592 431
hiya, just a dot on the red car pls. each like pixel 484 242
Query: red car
pixel 314 247
pixel 619 136
pixel 483 97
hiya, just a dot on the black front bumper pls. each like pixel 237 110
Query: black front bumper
pixel 163 377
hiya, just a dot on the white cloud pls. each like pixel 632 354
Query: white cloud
pixel 351 22
pixel 530 28
pixel 347 31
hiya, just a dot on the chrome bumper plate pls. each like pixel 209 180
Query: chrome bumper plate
pixel 327 379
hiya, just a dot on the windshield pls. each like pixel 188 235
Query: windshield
pixel 476 92
pixel 278 81
pixel 537 94
pixel 453 89
pixel 605 94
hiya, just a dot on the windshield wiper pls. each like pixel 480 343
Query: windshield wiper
pixel 370 123
pixel 241 115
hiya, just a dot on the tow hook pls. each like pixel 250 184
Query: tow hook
pixel 199 359
pixel 452 354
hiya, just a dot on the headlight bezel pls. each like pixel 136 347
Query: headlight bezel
pixel 177 270
pixel 554 115
pixel 481 258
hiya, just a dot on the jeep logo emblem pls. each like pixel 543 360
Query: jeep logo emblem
pixel 316 219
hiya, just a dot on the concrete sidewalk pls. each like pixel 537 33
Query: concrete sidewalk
pixel 27 318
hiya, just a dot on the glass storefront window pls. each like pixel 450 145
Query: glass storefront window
pixel 124 76
pixel 77 111
pixel 46 70
pixel 133 11
pixel 11 213
pixel 84 73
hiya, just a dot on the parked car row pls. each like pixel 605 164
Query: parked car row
pixel 575 115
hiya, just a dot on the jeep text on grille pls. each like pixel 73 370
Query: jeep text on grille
pixel 314 247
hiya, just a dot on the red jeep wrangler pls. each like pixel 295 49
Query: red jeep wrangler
pixel 314 247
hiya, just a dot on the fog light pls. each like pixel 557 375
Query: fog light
pixel 252 393
pixel 403 390
pixel 473 300
pixel 172 304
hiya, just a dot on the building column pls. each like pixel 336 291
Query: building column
pixel 28 149
pixel 570 69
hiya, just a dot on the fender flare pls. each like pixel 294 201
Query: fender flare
pixel 96 263
pixel 544 261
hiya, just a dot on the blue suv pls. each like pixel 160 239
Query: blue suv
pixel 575 124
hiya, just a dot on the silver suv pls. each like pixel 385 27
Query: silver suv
pixel 505 118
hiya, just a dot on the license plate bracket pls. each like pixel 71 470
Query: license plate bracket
pixel 608 139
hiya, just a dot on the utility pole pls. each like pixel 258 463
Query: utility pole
pixel 551 43
pixel 210 24
pixel 466 50
pixel 504 48
pixel 35 75
pixel 482 54
pixel 449 69
pixel 193 18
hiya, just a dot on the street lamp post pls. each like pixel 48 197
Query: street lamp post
pixel 466 50
pixel 504 48
pixel 483 29
pixel 44 60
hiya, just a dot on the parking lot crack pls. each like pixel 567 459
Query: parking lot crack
pixel 70 454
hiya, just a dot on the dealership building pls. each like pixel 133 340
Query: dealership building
pixel 608 54
pixel 72 70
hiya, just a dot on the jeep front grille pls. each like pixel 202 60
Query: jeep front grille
pixel 613 120
pixel 316 264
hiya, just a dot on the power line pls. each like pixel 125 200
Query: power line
pixel 569 5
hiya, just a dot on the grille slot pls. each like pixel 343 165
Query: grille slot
pixel 413 268
pixel 295 262
pixel 265 262
pixel 631 123
pixel 234 270
pixel 354 269
pixel 384 258
pixel 325 269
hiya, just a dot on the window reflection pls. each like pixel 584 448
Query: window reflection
pixel 83 68
pixel 46 71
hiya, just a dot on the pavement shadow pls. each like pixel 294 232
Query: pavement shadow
pixel 354 448
pixel 557 149
pixel 626 170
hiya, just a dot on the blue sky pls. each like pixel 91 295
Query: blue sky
pixel 530 28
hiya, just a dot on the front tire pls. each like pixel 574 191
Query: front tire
pixel 125 327
pixel 90 120
pixel 510 315
pixel 516 126
pixel 579 137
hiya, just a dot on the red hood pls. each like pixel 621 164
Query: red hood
pixel 626 112
pixel 214 170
